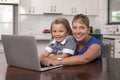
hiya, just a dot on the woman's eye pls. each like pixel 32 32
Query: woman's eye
pixel 82 27
pixel 73 27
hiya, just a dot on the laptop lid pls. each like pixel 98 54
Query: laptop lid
pixel 21 51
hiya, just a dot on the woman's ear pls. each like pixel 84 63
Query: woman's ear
pixel 89 30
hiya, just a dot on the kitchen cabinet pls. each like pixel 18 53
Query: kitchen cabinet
pixel 40 6
pixel 10 1
pixel 31 7
pixel 65 7
pixel 80 7
pixel 73 7
pixel 25 6
pixel 91 7
pixel 52 6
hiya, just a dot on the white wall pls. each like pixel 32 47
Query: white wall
pixel 101 19
pixel 35 24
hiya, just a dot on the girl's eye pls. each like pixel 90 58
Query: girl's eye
pixel 53 31
pixel 61 31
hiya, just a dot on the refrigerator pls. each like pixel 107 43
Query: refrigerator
pixel 6 19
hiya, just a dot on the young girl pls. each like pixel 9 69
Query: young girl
pixel 62 44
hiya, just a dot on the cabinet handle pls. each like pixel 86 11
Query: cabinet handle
pixel 33 9
pixel 75 10
pixel 72 10
pixel 86 10
pixel 29 10
pixel 54 8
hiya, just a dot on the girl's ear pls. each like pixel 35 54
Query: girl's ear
pixel 51 35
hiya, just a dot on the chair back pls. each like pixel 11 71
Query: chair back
pixel 98 36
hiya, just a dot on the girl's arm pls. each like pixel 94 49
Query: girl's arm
pixel 64 55
pixel 44 55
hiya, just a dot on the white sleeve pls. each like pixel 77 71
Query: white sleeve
pixel 48 49
pixel 68 51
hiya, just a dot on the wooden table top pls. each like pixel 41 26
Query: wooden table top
pixel 107 69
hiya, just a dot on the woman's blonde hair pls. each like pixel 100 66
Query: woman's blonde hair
pixel 81 18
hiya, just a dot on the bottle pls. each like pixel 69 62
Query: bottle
pixel 91 29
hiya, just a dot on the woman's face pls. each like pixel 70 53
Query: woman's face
pixel 59 32
pixel 80 31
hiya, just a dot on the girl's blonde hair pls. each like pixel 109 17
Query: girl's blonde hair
pixel 64 22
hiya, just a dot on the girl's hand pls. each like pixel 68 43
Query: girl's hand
pixel 49 62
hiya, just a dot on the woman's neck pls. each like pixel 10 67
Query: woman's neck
pixel 82 43
pixel 85 40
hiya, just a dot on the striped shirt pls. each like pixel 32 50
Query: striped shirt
pixel 68 45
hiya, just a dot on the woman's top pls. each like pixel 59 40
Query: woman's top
pixel 68 45
pixel 93 40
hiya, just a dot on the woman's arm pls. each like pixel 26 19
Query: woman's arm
pixel 92 53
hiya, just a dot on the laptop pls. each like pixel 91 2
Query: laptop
pixel 21 51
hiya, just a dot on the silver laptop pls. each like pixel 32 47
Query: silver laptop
pixel 21 51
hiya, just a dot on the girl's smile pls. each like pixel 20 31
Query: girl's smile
pixel 59 32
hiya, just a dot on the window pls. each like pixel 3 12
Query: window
pixel 113 12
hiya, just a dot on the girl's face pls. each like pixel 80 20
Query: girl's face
pixel 59 32
pixel 80 31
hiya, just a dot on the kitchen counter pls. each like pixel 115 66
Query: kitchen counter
pixel 114 36
pixel 42 37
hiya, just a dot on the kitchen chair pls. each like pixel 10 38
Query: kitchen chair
pixel 98 36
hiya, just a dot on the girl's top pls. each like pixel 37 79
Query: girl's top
pixel 68 45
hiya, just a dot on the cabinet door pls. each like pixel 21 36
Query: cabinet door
pixel 117 43
pixel 31 7
pixel 10 1
pixel 92 7
pixel 80 6
pixel 52 6
pixel 37 6
pixel 58 6
pixel 68 7
pixel 25 7
pixel 71 7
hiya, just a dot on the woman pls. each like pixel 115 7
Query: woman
pixel 88 47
